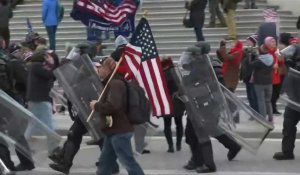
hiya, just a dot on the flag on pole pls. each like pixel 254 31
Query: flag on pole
pixel 149 73
pixel 106 14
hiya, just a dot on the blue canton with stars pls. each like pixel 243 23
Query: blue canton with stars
pixel 143 38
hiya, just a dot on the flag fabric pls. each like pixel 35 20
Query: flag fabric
pixel 131 61
pixel 149 73
pixel 270 14
pixel 110 15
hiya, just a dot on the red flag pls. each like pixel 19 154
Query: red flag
pixel 150 75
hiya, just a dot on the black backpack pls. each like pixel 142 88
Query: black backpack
pixel 138 105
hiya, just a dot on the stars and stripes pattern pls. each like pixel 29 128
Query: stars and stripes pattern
pixel 111 13
pixel 131 59
pixel 270 14
pixel 150 74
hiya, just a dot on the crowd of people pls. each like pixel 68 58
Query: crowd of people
pixel 258 63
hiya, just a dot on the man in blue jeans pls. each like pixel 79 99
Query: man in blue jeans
pixel 115 124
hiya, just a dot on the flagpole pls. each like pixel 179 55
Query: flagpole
pixel 110 78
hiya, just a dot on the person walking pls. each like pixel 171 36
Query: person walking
pixel 5 15
pixel 179 108
pixel 118 134
pixel 50 17
pixel 214 10
pixel 197 16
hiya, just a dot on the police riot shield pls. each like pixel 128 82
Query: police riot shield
pixel 14 121
pixel 213 112
pixel 291 87
pixel 81 85
pixel 205 103
pixel 247 123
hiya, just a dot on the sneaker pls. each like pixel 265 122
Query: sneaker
pixel 283 156
pixel 232 153
pixel 23 167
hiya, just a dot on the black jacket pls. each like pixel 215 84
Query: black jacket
pixel 40 80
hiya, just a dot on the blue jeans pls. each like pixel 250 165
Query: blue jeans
pixel 264 95
pixel 51 31
pixel 43 112
pixel 118 146
pixel 251 95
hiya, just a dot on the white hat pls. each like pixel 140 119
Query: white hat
pixel 120 40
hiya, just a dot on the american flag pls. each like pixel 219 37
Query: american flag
pixel 116 14
pixel 150 74
pixel 270 15
pixel 131 59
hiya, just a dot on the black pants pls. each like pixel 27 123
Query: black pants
pixel 6 158
pixel 275 95
pixel 179 108
pixel 72 144
pixel 291 119
pixel 202 153
pixel 4 32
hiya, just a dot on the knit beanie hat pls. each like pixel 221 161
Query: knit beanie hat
pixel 120 40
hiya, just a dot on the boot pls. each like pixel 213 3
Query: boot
pixel 171 149
pixel 70 151
pixel 283 156
pixel 190 165
pixel 60 167
pixel 56 155
pixel 231 145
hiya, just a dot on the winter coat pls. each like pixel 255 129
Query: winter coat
pixel 231 64
pixel 40 79
pixel 114 103
pixel 197 12
pixel 49 12
pixel 263 69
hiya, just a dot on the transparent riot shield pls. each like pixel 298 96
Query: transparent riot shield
pixel 14 120
pixel 3 169
pixel 291 87
pixel 205 103
pixel 212 108
pixel 250 123
pixel 81 85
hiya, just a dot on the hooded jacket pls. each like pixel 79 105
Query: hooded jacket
pixel 263 69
